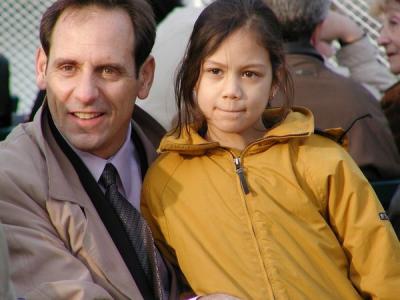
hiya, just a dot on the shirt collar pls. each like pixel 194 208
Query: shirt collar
pixel 120 159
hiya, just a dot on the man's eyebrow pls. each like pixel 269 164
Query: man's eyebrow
pixel 112 65
pixel 64 61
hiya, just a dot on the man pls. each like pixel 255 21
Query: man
pixel 70 181
pixel 336 101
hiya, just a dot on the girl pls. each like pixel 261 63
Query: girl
pixel 250 202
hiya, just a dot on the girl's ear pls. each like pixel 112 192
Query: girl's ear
pixel 40 68
pixel 146 76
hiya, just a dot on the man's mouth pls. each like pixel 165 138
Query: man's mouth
pixel 86 115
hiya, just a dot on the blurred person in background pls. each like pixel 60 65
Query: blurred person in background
pixel 355 57
pixel 388 12
pixel 335 100
pixel 172 36
pixel 5 97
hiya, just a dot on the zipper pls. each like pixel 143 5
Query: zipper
pixel 242 177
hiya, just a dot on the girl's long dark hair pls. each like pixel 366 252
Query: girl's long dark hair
pixel 217 21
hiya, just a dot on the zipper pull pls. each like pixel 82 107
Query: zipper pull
pixel 242 178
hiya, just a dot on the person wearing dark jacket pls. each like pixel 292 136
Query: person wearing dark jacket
pixel 5 97
pixel 336 101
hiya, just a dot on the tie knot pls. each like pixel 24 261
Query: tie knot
pixel 109 175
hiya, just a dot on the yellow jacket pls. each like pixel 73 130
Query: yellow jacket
pixel 310 226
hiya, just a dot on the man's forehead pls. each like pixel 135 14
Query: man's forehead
pixel 82 14
pixel 78 28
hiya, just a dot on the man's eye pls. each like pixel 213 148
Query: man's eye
pixel 67 68
pixel 108 70
pixel 110 73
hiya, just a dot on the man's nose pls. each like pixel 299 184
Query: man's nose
pixel 86 89
pixel 232 87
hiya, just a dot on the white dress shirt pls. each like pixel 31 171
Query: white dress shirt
pixel 126 161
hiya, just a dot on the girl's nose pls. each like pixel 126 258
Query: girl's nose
pixel 232 88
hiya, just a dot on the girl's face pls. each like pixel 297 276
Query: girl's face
pixel 234 87
pixel 390 35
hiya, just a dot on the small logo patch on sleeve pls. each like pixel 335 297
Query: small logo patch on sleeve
pixel 383 216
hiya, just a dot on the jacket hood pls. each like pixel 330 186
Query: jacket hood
pixel 298 123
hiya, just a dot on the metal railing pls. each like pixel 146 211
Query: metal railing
pixel 19 39
pixel 358 11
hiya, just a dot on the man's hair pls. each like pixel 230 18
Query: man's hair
pixel 299 18
pixel 139 11
pixel 162 8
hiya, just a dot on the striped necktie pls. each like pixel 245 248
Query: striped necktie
pixel 136 228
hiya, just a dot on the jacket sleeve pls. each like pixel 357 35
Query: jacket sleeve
pixel 152 210
pixel 360 58
pixel 364 231
pixel 42 265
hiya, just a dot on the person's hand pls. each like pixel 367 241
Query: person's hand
pixel 340 27
pixel 218 297
pixel 335 27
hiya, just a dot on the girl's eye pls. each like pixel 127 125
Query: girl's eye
pixel 248 74
pixel 215 71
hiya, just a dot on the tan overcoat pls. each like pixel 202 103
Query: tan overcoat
pixel 59 247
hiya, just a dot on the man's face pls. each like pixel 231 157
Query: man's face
pixel 90 78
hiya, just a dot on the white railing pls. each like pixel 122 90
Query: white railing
pixel 358 10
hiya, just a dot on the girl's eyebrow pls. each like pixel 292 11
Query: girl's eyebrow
pixel 249 65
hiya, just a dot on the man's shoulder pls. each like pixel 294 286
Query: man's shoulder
pixel 21 151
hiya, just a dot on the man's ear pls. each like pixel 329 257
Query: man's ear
pixel 40 67
pixel 146 76
pixel 316 35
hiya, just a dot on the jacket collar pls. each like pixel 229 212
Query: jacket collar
pixel 63 184
pixel 302 48
pixel 298 123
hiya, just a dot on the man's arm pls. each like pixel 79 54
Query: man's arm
pixel 42 265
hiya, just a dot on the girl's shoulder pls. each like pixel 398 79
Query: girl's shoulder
pixel 163 168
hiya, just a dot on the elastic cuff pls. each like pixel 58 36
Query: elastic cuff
pixel 344 44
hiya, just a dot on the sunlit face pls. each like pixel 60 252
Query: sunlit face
pixel 90 78
pixel 390 35
pixel 234 87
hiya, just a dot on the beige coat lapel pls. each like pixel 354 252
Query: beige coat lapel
pixel 79 225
